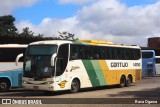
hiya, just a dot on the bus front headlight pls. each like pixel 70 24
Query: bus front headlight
pixel 25 82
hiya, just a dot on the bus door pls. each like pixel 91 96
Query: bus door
pixel 61 63
pixel 157 65
pixel 62 59
pixel 149 70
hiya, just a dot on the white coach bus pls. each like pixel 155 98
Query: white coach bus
pixel 71 65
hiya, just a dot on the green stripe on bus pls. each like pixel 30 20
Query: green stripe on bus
pixel 80 43
pixel 91 72
pixel 99 72
pixel 77 42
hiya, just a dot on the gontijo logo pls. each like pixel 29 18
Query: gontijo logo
pixel 119 64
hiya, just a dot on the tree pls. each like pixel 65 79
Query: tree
pixel 66 36
pixel 40 35
pixel 26 32
pixel 7 25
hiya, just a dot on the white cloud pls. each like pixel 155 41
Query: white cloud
pixel 7 6
pixel 115 18
pixel 74 1
pixel 49 26
pixel 106 20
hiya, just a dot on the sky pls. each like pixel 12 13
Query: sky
pixel 119 21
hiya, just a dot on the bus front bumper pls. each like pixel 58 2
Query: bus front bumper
pixel 38 87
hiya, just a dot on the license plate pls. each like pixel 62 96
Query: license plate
pixel 35 87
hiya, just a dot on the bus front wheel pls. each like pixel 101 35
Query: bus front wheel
pixel 4 85
pixel 75 86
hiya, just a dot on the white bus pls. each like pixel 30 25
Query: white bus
pixel 71 65
pixel 10 74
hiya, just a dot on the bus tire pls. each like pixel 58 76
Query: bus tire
pixel 129 81
pixel 122 82
pixel 4 85
pixel 75 86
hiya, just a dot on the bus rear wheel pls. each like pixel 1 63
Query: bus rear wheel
pixel 122 82
pixel 4 85
pixel 75 86
pixel 129 81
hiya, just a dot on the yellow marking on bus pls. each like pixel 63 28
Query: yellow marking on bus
pixel 110 75
pixel 62 84
pixel 104 69
pixel 113 76
pixel 95 41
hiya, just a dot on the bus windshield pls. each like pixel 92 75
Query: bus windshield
pixel 147 54
pixel 38 61
pixel 42 50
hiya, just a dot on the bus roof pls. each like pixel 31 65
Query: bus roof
pixel 85 42
pixel 13 46
pixel 95 41
pixel 57 42
pixel 148 51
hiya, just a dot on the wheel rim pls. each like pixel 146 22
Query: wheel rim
pixel 129 81
pixel 122 81
pixel 3 86
pixel 75 86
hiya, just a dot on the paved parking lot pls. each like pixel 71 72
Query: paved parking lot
pixel 147 87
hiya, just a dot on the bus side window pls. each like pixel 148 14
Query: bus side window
pixel 80 50
pixel 76 52
pixel 127 54
pixel 10 54
pixel 106 55
pixel 88 52
pixel 100 53
pixel 73 56
pixel 110 52
pixel 138 55
pixel 73 52
pixel 119 53
pixel 114 52
pixel 96 52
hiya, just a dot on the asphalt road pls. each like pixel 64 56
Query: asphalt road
pixel 148 87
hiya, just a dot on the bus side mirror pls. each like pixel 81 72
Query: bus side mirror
pixel 53 59
pixel 18 57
